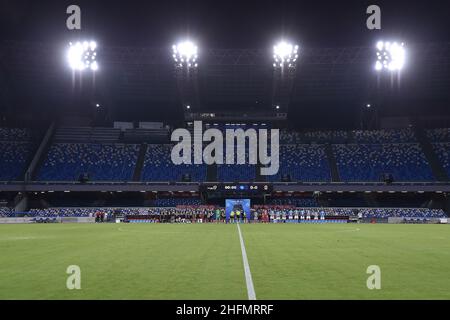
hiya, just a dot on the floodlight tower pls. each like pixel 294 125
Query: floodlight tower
pixel 388 64
pixel 285 57
pixel 390 61
pixel 82 59
pixel 185 55
pixel 82 56
pixel 390 56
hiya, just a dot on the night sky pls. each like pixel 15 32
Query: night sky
pixel 230 24
pixel 226 24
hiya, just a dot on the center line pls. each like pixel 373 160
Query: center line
pixel 248 274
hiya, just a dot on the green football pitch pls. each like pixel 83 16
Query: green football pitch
pixel 204 261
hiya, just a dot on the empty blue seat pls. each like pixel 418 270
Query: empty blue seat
pixel 368 162
pixel 103 162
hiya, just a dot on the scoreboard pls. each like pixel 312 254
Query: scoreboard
pixel 234 188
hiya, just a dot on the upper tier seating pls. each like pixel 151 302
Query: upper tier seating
pixel 87 135
pixel 14 134
pixel 385 136
pixel 442 151
pixel 15 151
pixel 326 136
pixel 103 162
pixel 290 136
pixel 341 137
pixel 91 150
pixel 303 163
pixel 13 159
pixel 439 135
pixel 158 166
pixel 364 162
pixel 295 137
pixel 236 172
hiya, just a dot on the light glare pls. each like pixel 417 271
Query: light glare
pixel 82 55
pixel 390 56
pixel 284 52
pixel 186 52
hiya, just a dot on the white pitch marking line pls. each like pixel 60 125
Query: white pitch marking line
pixel 248 274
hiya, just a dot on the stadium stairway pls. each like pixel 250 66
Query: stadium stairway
pixel 332 163
pixel 436 168
pixel 20 202
pixel 40 155
pixel 140 162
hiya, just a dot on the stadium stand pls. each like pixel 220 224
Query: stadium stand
pixel 385 136
pixel 13 158
pixel 14 134
pixel 290 136
pixel 158 166
pixel 439 135
pixel 103 162
pixel 5 212
pixel 442 151
pixel 359 156
pixel 296 137
pixel 368 162
pixel 15 150
pixel 326 136
pixel 230 173
pixel 303 163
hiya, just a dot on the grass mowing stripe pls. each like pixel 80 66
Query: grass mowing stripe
pixel 142 261
pixel 314 261
pixel 248 274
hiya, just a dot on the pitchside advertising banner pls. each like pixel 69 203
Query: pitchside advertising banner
pixel 237 208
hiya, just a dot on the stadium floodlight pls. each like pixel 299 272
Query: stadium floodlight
pixel 284 53
pixel 82 55
pixel 390 56
pixel 185 54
